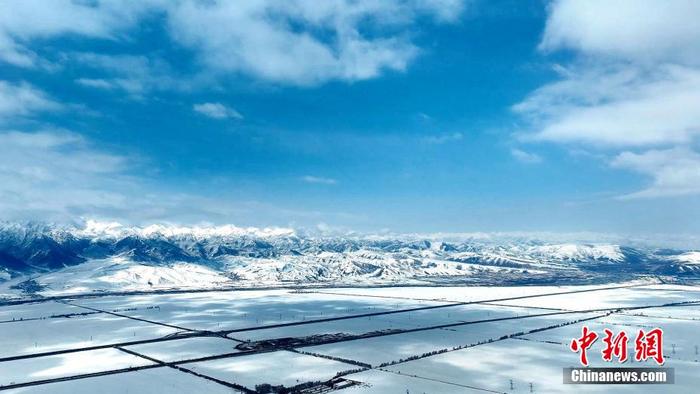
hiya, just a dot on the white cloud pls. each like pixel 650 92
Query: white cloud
pixel 443 138
pixel 22 99
pixel 525 157
pixel 634 81
pixel 217 111
pixel 620 107
pixel 135 75
pixel 637 30
pixel 319 180
pixel 302 42
pixel 675 172
pixel 22 22
pixel 95 83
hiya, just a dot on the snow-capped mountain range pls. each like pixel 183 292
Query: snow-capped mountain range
pixel 108 256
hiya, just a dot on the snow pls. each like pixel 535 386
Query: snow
pixel 382 382
pixel 537 357
pixel 239 309
pixel 681 333
pixel 578 252
pixel 185 349
pixel 468 293
pixel 281 367
pixel 689 312
pixel 410 320
pixel 120 274
pixel 112 257
pixel 689 258
pixel 158 380
pixel 26 337
pixel 114 230
pixel 492 367
pixel 27 370
pixel 390 348
pixel 38 310
pixel 108 256
pixel 606 299
pixel 176 275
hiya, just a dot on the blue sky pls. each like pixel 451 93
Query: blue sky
pixel 412 116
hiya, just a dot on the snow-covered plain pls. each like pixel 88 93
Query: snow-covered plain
pixel 414 319
pixel 487 293
pixel 38 310
pixel 27 370
pixel 473 355
pixel 160 380
pixel 680 335
pixel 492 367
pixel 240 309
pixel 402 346
pixel 607 299
pixel 275 368
pixel 185 349
pixel 27 337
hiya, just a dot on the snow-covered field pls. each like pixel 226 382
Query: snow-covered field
pixel 27 370
pixel 607 299
pixel 160 380
pixel 402 346
pixel 185 349
pixel 414 319
pixel 239 309
pixel 380 340
pixel 33 336
pixel 492 367
pixel 275 368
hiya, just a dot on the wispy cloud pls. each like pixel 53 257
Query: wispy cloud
pixel 318 180
pixel 23 22
pixel 675 172
pixel 95 83
pixel 44 176
pixel 525 157
pixel 217 111
pixel 23 99
pixel 137 75
pixel 443 138
pixel 46 173
pixel 621 106
pixel 422 116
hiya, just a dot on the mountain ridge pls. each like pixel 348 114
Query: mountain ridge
pixel 110 255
